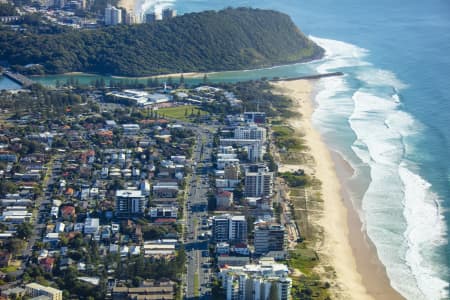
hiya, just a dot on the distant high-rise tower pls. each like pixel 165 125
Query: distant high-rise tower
pixel 132 18
pixel 168 13
pixel 113 15
pixel 150 17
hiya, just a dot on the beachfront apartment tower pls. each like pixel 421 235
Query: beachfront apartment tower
pixel 255 281
pixel 269 237
pixel 258 181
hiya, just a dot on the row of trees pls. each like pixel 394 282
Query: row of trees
pixel 258 96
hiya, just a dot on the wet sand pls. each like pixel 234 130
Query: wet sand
pixel 359 273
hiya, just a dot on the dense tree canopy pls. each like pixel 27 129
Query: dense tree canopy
pixel 230 39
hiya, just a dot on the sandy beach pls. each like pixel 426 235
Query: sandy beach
pixel 359 273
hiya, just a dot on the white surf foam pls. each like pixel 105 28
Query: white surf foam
pixel 340 107
pixel 339 54
pixel 377 77
pixel 392 205
pixel 390 194
pixel 425 229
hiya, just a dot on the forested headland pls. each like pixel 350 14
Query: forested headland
pixel 230 39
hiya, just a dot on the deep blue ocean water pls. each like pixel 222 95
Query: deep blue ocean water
pixel 388 117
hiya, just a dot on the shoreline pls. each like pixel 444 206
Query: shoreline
pixel 192 75
pixel 185 75
pixel 344 245
pixel 373 272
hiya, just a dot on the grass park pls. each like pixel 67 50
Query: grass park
pixel 183 113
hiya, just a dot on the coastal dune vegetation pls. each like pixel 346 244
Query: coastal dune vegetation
pixel 230 39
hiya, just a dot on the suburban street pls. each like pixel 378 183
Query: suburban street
pixel 41 202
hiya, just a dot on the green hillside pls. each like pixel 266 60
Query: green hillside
pixel 229 39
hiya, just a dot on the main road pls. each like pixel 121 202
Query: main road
pixel 198 273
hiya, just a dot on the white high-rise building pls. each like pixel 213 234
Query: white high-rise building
pixel 238 229
pixel 255 281
pixel 113 15
pixel 133 18
pixel 269 237
pixel 258 181
pixel 250 132
pixel 130 202
pixel 227 228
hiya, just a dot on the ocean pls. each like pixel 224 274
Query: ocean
pixel 388 117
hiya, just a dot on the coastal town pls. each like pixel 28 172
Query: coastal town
pixel 80 14
pixel 159 192
pixel 150 154
pixel 226 149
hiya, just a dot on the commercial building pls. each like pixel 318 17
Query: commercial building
pixel 255 281
pixel 163 212
pixel 269 237
pixel 36 290
pixel 258 181
pixel 137 97
pixel 228 228
pixel 147 290
pixel 165 189
pixel 130 202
